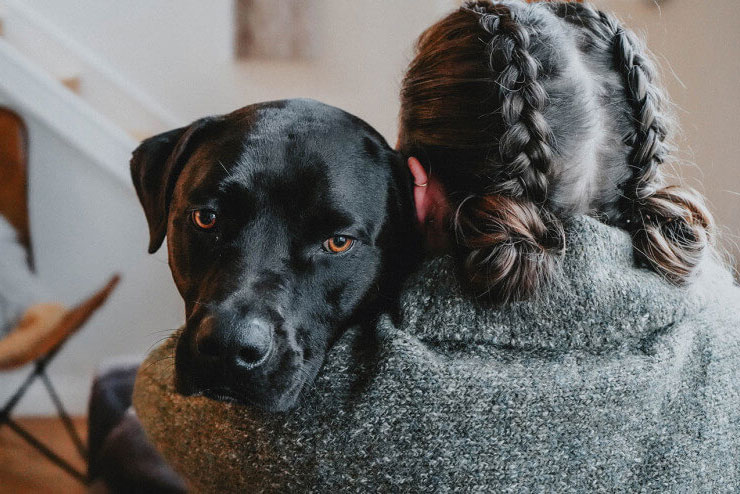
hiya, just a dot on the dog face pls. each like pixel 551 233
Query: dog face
pixel 285 221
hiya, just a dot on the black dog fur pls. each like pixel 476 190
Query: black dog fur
pixel 264 298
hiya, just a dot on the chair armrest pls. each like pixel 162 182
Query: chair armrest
pixel 45 327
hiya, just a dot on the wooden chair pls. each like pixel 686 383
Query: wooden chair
pixel 44 329
pixel 13 174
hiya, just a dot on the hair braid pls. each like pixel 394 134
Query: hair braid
pixel 526 143
pixel 648 138
pixel 473 108
pixel 668 224
pixel 507 240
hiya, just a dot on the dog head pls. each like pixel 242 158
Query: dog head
pixel 286 222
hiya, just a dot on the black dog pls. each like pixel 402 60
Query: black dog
pixel 287 222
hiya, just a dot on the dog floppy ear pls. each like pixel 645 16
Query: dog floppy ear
pixel 155 166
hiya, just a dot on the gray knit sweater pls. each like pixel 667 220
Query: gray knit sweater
pixel 612 380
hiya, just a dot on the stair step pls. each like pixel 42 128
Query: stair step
pixel 72 83
pixel 140 135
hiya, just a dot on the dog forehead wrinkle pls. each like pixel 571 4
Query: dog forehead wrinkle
pixel 325 162
pixel 319 205
pixel 362 190
pixel 301 112
pixel 301 199
pixel 267 234
pixel 315 125
pixel 282 151
pixel 198 177
pixel 294 178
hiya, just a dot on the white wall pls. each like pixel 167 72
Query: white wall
pixel 179 52
pixel 159 45
pixel 86 226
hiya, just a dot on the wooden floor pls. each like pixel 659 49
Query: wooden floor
pixel 24 470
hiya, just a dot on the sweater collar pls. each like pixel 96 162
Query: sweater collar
pixel 597 301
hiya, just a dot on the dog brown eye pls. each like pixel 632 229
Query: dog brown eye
pixel 205 219
pixel 338 244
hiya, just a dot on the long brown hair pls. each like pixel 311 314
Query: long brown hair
pixel 491 107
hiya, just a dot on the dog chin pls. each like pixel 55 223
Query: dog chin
pixel 272 404
pixel 282 404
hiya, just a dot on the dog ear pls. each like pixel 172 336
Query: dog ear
pixel 155 166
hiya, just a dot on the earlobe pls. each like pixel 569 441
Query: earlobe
pixel 432 206
pixel 421 182
pixel 418 172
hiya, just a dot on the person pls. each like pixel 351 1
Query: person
pixel 516 117
pixel 572 329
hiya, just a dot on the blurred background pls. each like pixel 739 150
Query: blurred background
pixel 91 78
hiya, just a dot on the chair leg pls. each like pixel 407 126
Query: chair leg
pixel 44 450
pixel 73 434
pixel 39 371
pixel 13 401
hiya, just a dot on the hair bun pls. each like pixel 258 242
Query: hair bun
pixel 508 246
pixel 670 232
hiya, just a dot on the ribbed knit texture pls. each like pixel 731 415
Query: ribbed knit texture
pixel 611 380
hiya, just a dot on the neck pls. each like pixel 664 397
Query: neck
pixel 596 301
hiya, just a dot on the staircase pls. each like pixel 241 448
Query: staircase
pixel 83 119
pixel 52 78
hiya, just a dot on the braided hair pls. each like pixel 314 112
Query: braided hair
pixel 480 128
pixel 500 102
pixel 526 143
pixel 669 224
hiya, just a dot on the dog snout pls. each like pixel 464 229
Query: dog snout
pixel 242 345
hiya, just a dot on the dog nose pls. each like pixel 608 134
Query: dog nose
pixel 245 346
pixel 255 343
